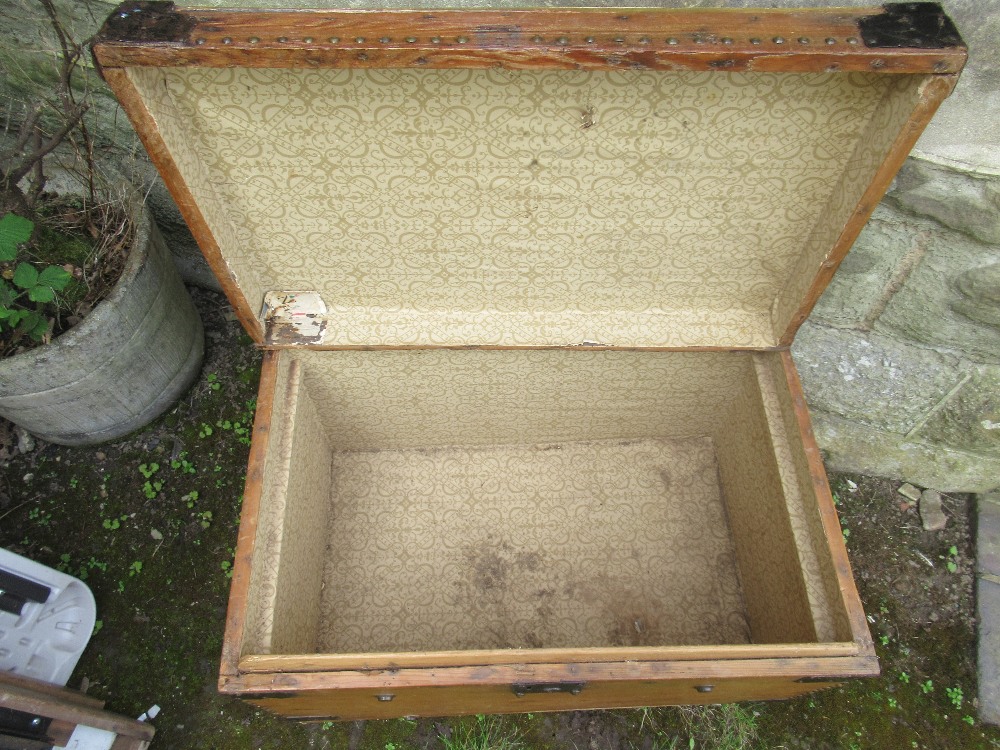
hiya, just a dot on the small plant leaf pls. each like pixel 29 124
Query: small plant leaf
pixel 25 275
pixel 14 230
pixel 41 294
pixel 40 328
pixel 56 277
pixel 7 294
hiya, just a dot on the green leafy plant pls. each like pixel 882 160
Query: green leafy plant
pixel 24 289
pixel 112 524
pixel 59 255
pixel 185 466
pixel 955 696
pixel 147 470
pixel 952 561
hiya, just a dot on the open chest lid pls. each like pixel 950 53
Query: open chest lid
pixel 528 178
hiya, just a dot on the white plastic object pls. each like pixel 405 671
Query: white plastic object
pixel 89 738
pixel 46 640
pixel 150 713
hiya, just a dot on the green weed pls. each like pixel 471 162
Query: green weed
pixel 484 733
pixel 955 696
pixel 952 560
pixel 185 466
pixel 112 524
pixel 730 726
pixel 147 470
pixel 39 516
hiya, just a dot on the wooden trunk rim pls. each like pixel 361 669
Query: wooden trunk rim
pixel 802 40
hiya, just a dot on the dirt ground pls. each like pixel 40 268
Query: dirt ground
pixel 150 523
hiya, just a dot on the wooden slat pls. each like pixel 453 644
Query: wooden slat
pixel 63 694
pixel 463 701
pixel 828 513
pixel 517 347
pixel 935 90
pixel 334 662
pixel 146 128
pixel 41 702
pixel 567 38
pixel 232 643
pixel 288 684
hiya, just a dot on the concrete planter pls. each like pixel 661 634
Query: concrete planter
pixel 122 366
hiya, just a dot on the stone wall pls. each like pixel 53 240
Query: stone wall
pixel 901 359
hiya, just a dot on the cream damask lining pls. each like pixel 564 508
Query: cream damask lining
pixel 493 499
pixel 614 543
pixel 446 206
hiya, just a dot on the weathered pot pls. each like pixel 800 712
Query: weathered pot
pixel 122 366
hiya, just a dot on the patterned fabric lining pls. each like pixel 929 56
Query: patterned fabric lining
pixel 632 208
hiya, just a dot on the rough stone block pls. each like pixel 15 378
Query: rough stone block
pixel 932 514
pixel 872 379
pixel 965 202
pixel 859 289
pixel 857 448
pixel 988 534
pixel 970 419
pixel 988 605
pixel 947 301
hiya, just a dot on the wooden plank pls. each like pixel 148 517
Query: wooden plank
pixel 828 513
pixel 934 91
pixel 459 701
pixel 148 132
pixel 288 684
pixel 45 688
pixel 518 347
pixel 232 642
pixel 42 703
pixel 334 662
pixel 567 38
pixel 129 743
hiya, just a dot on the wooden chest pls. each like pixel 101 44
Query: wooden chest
pixel 528 435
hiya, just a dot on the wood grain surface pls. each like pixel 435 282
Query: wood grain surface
pixel 736 40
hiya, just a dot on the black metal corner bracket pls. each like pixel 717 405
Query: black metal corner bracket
pixel 146 21
pixel 915 25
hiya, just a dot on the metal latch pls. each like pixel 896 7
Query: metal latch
pixel 521 689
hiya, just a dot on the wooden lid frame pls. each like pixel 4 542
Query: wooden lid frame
pixel 913 41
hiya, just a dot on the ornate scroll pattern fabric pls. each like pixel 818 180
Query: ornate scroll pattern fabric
pixel 618 543
pixel 436 398
pixel 880 129
pixel 680 199
pixel 829 615
pixel 174 129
